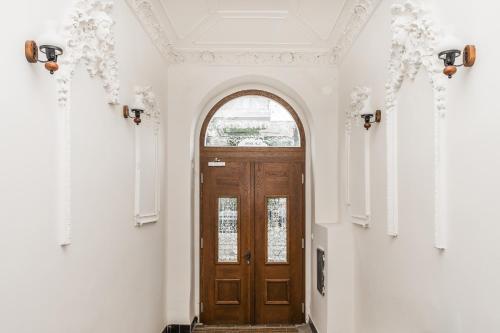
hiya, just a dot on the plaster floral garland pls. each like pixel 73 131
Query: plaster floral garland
pixel 89 39
pixel 359 101
pixel 151 109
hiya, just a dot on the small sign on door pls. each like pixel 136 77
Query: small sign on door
pixel 216 164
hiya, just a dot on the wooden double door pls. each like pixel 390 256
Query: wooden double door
pixel 252 239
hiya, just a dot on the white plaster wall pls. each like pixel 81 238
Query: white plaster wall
pixel 319 303
pixel 110 278
pixel 405 284
pixel 192 92
pixel 333 312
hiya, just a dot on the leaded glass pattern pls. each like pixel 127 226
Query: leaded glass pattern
pixel 277 229
pixel 227 230
pixel 252 121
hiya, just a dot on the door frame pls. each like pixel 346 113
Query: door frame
pixel 302 114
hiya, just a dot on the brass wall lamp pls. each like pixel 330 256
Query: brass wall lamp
pixel 368 119
pixel 449 57
pixel 51 52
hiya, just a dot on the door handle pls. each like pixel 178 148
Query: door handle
pixel 248 256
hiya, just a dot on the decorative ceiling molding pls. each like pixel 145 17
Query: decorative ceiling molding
pixel 351 21
pixel 251 58
pixel 143 9
pixel 414 40
pixel 322 35
pixel 357 16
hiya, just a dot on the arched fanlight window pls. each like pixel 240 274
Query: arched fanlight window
pixel 253 119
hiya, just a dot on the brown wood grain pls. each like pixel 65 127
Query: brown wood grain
pixel 253 174
pixel 31 51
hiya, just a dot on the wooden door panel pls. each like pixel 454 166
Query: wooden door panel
pixel 279 278
pixel 269 288
pixel 226 277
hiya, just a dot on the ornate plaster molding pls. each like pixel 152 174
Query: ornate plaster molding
pixel 360 101
pixel 358 15
pixel 152 113
pixel 144 11
pixel 414 40
pixel 89 39
pixel 152 109
pixel 353 19
pixel 252 58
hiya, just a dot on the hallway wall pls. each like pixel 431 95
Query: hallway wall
pixel 191 90
pixel 405 284
pixel 110 278
pixel 333 312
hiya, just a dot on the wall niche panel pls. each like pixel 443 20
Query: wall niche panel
pixel 415 160
pixel 88 39
pixel 357 149
pixel 414 47
pixel 147 167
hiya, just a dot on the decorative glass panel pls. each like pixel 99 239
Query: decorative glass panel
pixel 252 121
pixel 277 230
pixel 228 230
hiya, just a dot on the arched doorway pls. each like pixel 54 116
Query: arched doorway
pixel 252 210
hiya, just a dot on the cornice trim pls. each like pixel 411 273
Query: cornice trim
pixel 351 21
pixel 143 9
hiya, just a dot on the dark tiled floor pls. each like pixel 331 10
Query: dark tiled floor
pixel 249 329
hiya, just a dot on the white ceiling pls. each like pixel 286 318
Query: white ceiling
pixel 251 24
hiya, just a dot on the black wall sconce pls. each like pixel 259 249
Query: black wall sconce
pixel 137 114
pixel 51 52
pixel 368 119
pixel 449 57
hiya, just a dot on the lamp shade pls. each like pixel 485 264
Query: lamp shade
pixel 138 102
pixel 449 41
pixel 367 106
pixel 51 36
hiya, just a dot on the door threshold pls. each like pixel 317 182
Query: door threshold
pixel 304 328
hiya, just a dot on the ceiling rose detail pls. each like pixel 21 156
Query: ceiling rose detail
pixel 349 24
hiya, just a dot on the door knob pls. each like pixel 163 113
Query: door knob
pixel 248 256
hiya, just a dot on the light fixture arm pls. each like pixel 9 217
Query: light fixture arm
pixel 368 119
pixel 449 57
pixel 51 52
pixel 137 114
